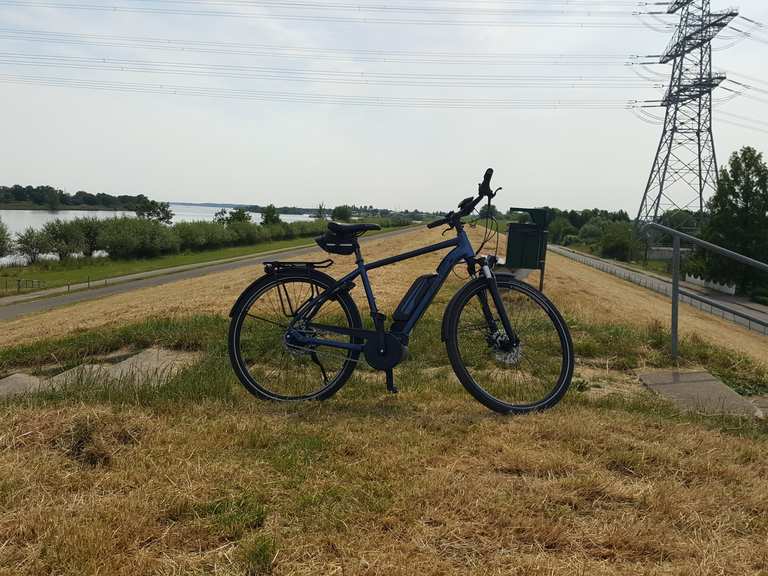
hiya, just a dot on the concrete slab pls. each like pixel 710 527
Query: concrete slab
pixel 19 384
pixel 699 392
pixel 153 362
pixel 761 402
pixel 79 373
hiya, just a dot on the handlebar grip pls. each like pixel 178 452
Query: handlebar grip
pixel 485 187
pixel 437 223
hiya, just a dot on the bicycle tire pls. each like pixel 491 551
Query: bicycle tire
pixel 240 314
pixel 467 377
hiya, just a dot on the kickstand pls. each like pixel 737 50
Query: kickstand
pixel 391 388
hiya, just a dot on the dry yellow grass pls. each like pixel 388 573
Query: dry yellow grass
pixel 428 482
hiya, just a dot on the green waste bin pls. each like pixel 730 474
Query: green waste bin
pixel 527 242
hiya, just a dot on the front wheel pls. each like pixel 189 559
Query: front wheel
pixel 527 371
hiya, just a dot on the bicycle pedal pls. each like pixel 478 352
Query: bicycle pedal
pixel 391 388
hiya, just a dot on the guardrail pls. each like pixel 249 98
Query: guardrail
pixel 677 238
pixel 18 285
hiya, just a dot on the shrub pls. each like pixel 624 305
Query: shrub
pixel 203 235
pixel 342 214
pixel 138 238
pixel 64 238
pixel 270 215
pixel 90 228
pixel 618 241
pixel 5 240
pixel 31 244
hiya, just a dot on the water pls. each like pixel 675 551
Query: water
pixel 20 220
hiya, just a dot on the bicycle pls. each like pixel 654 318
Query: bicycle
pixel 296 333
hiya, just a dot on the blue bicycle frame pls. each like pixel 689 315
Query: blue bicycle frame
pixel 462 250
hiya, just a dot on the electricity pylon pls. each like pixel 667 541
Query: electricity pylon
pixel 684 172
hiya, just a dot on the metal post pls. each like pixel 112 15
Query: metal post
pixel 675 292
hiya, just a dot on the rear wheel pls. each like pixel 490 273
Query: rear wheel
pixel 260 348
pixel 530 371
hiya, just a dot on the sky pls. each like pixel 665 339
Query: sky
pixel 135 128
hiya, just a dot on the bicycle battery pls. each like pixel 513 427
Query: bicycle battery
pixel 412 298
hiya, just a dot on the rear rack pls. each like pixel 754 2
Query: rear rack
pixel 274 267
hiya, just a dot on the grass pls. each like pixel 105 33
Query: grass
pixel 191 475
pixel 76 271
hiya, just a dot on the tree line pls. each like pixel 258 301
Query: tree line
pixel 54 199
pixel 736 218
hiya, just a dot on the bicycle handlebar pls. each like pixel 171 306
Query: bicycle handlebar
pixel 467 206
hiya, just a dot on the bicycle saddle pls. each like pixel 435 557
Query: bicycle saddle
pixel 350 229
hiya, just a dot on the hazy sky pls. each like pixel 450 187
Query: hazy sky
pixel 290 151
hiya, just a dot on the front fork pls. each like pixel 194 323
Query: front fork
pixel 493 327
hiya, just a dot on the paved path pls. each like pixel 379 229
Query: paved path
pixel 699 392
pixel 753 317
pixel 39 303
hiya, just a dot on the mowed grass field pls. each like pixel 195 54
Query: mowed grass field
pixel 190 475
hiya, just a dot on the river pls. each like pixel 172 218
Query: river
pixel 19 220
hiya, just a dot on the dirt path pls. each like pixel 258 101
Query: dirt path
pixel 576 288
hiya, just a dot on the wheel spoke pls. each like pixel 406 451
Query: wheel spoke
pixel 514 375
pixel 276 366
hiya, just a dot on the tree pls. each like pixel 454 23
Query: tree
pixel 5 240
pixel 52 199
pixel 560 228
pixel 489 211
pixel 31 244
pixel 320 212
pixel 592 231
pixel 270 215
pixel 618 241
pixel 738 220
pixel 64 238
pixel 235 216
pixel 147 209
pixel 90 228
pixel 342 214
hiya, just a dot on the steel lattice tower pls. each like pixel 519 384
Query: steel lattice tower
pixel 684 172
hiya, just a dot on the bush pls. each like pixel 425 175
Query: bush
pixel 90 229
pixel 138 238
pixel 270 215
pixel 618 241
pixel 342 214
pixel 560 229
pixel 31 244
pixel 203 235
pixel 64 238
pixel 5 240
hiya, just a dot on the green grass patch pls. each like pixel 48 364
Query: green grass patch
pixel 257 555
pixel 231 517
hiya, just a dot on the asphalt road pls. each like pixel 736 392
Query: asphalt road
pixel 17 310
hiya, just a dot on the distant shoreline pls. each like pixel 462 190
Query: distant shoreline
pixel 37 207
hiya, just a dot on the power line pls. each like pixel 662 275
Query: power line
pixel 589 23
pixel 312 98
pixel 312 53
pixel 324 76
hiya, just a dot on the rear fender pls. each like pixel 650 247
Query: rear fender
pixel 269 278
